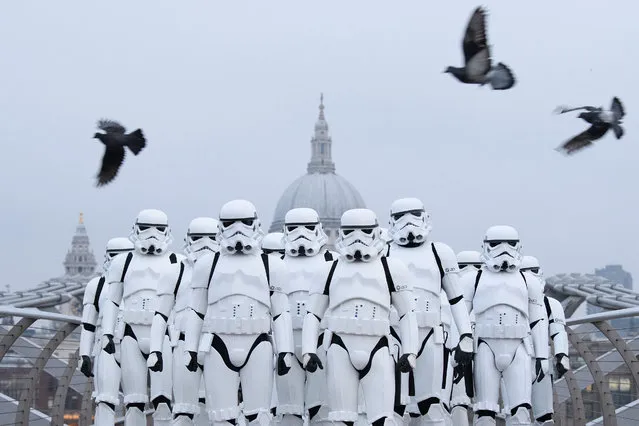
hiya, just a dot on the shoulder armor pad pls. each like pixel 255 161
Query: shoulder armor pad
pixel 91 290
pixel 446 258
pixel 399 273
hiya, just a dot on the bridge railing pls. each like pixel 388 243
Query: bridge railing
pixel 40 382
pixel 603 384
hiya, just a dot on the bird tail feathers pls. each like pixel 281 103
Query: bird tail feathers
pixel 618 130
pixel 502 77
pixel 136 141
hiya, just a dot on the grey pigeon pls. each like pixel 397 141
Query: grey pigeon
pixel 601 121
pixel 612 117
pixel 478 68
pixel 114 140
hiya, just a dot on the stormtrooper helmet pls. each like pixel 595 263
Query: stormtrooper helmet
pixel 470 259
pixel 151 233
pixel 531 264
pixel 273 243
pixel 114 247
pixel 360 237
pixel 303 232
pixel 410 223
pixel 501 250
pixel 240 228
pixel 201 237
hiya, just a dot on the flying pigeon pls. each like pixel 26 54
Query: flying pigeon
pixel 601 121
pixel 478 68
pixel 114 140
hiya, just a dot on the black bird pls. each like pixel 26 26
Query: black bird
pixel 613 116
pixel 478 68
pixel 601 121
pixel 114 140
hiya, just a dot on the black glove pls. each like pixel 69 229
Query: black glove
pixel 282 368
pixel 85 368
pixel 404 364
pixel 313 363
pixel 158 366
pixel 192 365
pixel 462 357
pixel 110 346
pixel 561 370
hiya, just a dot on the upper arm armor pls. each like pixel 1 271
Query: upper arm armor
pixel 446 259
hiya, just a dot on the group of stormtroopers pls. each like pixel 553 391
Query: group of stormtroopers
pixel 390 329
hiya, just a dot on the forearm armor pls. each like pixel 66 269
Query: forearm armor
pixel 450 284
pixel 160 319
pixel 87 335
pixel 282 323
pixel 111 308
pixel 197 310
pixel 405 305
pixel 317 304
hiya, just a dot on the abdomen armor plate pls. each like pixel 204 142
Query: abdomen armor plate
pixel 239 297
pixel 501 306
pixel 140 287
pixel 427 283
pixel 359 300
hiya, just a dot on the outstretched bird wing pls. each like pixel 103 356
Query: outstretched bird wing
pixel 475 44
pixel 111 162
pixel 617 109
pixel 111 126
pixel 584 139
pixel 563 109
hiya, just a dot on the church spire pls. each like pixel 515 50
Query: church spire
pixel 321 145
pixel 80 259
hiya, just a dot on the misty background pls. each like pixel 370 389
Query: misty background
pixel 227 96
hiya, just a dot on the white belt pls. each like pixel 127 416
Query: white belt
pixel 370 327
pixel 502 331
pixel 138 317
pixel 427 318
pixel 236 325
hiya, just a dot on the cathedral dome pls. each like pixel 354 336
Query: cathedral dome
pixel 320 188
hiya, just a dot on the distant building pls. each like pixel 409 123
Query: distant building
pixel 320 188
pixel 626 327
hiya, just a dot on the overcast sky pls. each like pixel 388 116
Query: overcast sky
pixel 227 95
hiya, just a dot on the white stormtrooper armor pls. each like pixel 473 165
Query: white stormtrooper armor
pixel 542 391
pixel 509 329
pixel 133 281
pixel 433 269
pixel 355 299
pixel 273 243
pixel 95 363
pixel 237 299
pixel 469 262
pixel 301 393
pixel 171 312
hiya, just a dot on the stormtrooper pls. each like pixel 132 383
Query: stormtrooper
pixel 300 393
pixel 173 299
pixel 509 329
pixel 133 280
pixel 433 269
pixel 355 299
pixel 273 243
pixel 542 400
pixel 237 299
pixel 469 262
pixel 95 363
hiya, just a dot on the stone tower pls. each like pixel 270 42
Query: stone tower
pixel 80 260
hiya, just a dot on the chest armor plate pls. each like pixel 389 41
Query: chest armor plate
pixel 184 291
pixel 500 288
pixel 242 275
pixel 142 280
pixel 359 281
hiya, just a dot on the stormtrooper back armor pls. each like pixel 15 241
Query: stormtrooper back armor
pixel 237 294
pixel 509 329
pixel 96 363
pixel 356 299
pixel 433 269
pixel 133 281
